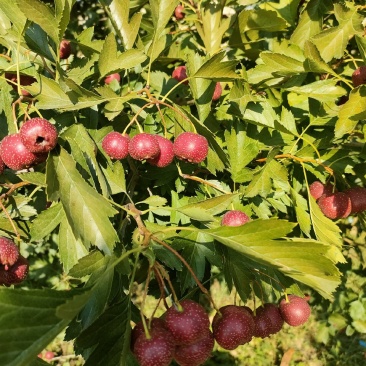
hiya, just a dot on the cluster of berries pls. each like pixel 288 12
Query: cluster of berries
pixel 183 332
pixel 28 147
pixel 180 74
pixel 155 149
pixel 13 266
pixel 337 205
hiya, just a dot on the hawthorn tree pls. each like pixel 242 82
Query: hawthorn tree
pixel 267 85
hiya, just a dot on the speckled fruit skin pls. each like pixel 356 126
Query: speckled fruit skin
pixel 189 325
pixel 19 271
pixel 14 154
pixel 166 154
pixel 262 328
pixel 191 147
pixel 9 252
pixel 25 80
pixel 38 135
pixel 272 312
pixel 234 327
pixel 180 73
pixel 115 145
pixel 359 76
pixel 318 189
pixel 139 329
pixel 296 311
pixel 179 12
pixel 143 146
pixel 109 78
pixel 156 351
pixel 234 218
pixel 65 49
pixel 335 206
pixel 197 353
pixel 357 196
pixel 2 166
pixel 217 92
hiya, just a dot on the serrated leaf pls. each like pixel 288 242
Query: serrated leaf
pixel 216 69
pixel 361 44
pixel 286 123
pixel 46 222
pixel 40 13
pixel 88 264
pixel 260 113
pixel 155 201
pixel 70 248
pixel 15 15
pixel 162 11
pixel 351 112
pixel 304 260
pixel 301 208
pixel 110 60
pixel 23 334
pixel 242 150
pixel 87 212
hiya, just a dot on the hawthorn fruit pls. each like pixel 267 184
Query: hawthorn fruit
pixel 233 326
pixel 359 76
pixel 166 154
pixel 296 311
pixel 2 165
pixel 179 12
pixel 18 272
pixel 217 92
pixel 24 80
pixel 180 73
pixel 318 189
pixel 65 49
pixel 335 206
pixel 188 325
pixel 143 146
pixel 197 353
pixel 109 78
pixel 234 218
pixel 272 313
pixel 191 147
pixel 9 252
pixel 115 145
pixel 38 135
pixel 357 195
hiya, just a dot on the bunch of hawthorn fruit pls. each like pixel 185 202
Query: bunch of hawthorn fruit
pixel 337 205
pixel 183 332
pixel 13 266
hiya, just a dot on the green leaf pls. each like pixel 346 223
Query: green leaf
pixel 155 201
pixel 63 10
pixel 118 12
pixel 161 12
pixel 86 210
pixel 110 60
pixel 242 150
pixel 40 13
pixel 216 69
pixel 36 178
pixel 306 261
pixel 88 264
pixel 29 322
pixel 14 14
pixel 46 222
pixel 70 248
pixel 114 324
pixel 351 112
pixel 260 113
pixel 286 123
pixel 301 208
pixel 361 44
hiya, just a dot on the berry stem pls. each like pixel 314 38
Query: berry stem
pixel 134 119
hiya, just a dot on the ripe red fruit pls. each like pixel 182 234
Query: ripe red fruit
pixel 25 80
pixel 19 271
pixel 65 49
pixel 296 311
pixel 262 328
pixel 335 206
pixel 234 218
pixel 143 146
pixel 9 252
pixel 180 73
pixel 235 326
pixel 48 355
pixel 357 196
pixel 318 189
pixel 156 351
pixel 14 154
pixel 109 78
pixel 217 92
pixel 197 353
pixel 189 325
pixel 138 330
pixel 166 155
pixel 115 145
pixel 179 12
pixel 191 147
pixel 359 76
pixel 38 135
pixel 273 316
